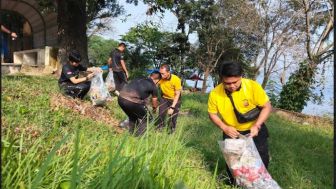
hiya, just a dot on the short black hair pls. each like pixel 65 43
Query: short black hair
pixel 74 56
pixel 166 67
pixel 156 75
pixel 122 44
pixel 230 69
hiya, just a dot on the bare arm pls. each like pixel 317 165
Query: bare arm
pixel 176 97
pixel 155 103
pixel 109 62
pixel 6 30
pixel 230 131
pixel 79 80
pixel 264 114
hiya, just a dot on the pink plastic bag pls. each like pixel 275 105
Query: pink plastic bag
pixel 246 166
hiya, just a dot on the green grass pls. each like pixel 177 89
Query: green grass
pixel 70 151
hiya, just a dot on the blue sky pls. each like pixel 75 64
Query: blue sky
pixel 137 14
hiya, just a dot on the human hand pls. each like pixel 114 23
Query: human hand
pixel 90 75
pixel 99 70
pixel 127 75
pixel 170 111
pixel 13 35
pixel 254 131
pixel 231 132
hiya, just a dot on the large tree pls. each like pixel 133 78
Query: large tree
pixel 317 26
pixel 265 31
pixel 74 18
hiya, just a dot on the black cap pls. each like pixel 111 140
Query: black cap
pixel 122 44
pixel 74 56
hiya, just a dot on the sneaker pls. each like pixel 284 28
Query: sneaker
pixel 124 124
pixel 116 93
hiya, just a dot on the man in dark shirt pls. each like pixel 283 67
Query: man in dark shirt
pixel 69 82
pixel 118 66
pixel 132 100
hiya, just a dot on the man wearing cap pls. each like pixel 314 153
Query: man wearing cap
pixel 69 82
pixel 132 100
pixel 170 101
pixel 117 64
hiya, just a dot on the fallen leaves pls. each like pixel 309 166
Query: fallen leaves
pixel 85 109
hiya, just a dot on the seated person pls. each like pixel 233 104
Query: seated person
pixel 132 100
pixel 69 82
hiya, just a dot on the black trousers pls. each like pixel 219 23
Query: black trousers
pixel 261 144
pixel 75 90
pixel 163 108
pixel 120 80
pixel 137 114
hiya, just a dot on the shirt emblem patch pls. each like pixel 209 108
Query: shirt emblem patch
pixel 245 102
pixel 69 72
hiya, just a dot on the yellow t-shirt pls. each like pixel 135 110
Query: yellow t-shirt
pixel 250 95
pixel 169 86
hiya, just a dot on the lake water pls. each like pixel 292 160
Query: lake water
pixel 326 108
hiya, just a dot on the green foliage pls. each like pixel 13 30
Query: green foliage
pixel 100 49
pixel 296 92
pixel 149 47
pixel 273 92
pixel 189 158
pixel 96 158
pixel 145 41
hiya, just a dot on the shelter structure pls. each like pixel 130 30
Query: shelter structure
pixel 35 48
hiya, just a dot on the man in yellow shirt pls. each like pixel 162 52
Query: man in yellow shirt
pixel 246 95
pixel 170 102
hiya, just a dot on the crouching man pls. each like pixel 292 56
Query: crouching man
pixel 70 83
pixel 132 100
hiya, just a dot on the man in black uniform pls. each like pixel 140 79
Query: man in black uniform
pixel 132 100
pixel 118 66
pixel 69 82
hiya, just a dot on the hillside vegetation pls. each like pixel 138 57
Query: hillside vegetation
pixel 46 147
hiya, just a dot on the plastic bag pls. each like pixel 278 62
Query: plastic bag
pixel 109 82
pixel 246 166
pixel 98 92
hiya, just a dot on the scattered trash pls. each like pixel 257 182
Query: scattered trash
pixel 246 166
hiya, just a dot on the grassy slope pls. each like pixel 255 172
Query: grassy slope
pixel 301 155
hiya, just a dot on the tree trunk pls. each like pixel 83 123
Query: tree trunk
pixel 206 75
pixel 72 21
pixel 265 80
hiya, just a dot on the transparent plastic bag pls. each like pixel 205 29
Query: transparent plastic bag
pixel 98 92
pixel 246 166
pixel 109 82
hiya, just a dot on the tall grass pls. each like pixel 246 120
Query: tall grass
pixel 92 156
pixel 44 148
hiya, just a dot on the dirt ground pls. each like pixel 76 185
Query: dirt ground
pixel 85 109
pixel 303 118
